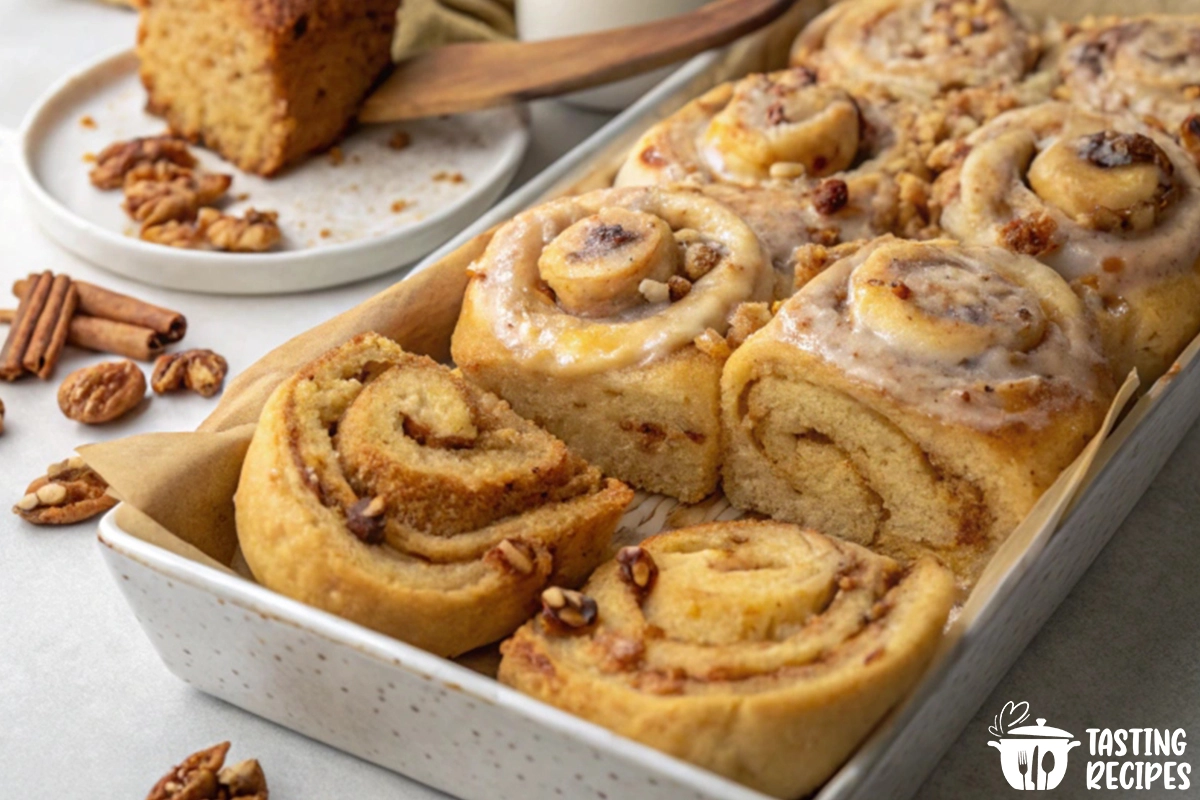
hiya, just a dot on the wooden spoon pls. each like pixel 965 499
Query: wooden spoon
pixel 468 77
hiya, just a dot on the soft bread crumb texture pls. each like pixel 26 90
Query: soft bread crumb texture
pixel 262 82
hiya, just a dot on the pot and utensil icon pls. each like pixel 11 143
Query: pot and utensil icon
pixel 1033 757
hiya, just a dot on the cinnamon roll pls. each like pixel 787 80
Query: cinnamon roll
pixel 1148 66
pixel 759 650
pixel 801 161
pixel 1111 205
pixel 920 48
pixel 601 318
pixel 384 488
pixel 916 398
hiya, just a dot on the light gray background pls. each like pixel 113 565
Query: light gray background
pixel 88 710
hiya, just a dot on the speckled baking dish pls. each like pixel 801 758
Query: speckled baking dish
pixel 453 728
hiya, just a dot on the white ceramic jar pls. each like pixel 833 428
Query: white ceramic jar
pixel 551 19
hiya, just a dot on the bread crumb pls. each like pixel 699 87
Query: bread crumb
pixel 88 122
pixel 89 158
pixel 449 177
pixel 336 156
pixel 241 196
pixel 399 140
pixel 326 233
pixel 400 205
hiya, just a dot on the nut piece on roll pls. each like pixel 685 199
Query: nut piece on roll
pixel 1111 205
pixel 802 162
pixel 759 650
pixel 382 487
pixel 920 48
pixel 1148 66
pixel 602 318
pixel 916 398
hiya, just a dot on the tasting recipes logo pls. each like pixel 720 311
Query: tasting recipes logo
pixel 1034 757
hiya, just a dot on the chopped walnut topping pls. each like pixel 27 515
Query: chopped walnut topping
pixel 637 568
pixel 515 556
pixel 699 259
pixel 747 318
pixel 678 288
pixel 254 232
pixel 831 196
pixel 712 344
pixel 810 260
pixel 1032 235
pixel 1108 149
pixel 69 492
pixel 118 158
pixel 202 371
pixel 564 609
pixel 654 291
pixel 366 520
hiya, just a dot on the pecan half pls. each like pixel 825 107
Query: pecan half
pixel 116 160
pixel 637 569
pixel 102 393
pixel 184 235
pixel 253 232
pixel 565 609
pixel 69 492
pixel 160 192
pixel 202 371
pixel 203 776
pixel 831 196
pixel 193 779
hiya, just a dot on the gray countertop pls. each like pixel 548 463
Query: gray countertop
pixel 90 711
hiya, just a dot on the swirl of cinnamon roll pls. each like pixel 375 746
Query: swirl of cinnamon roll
pixel 1148 66
pixel 1111 205
pixel 920 48
pixel 384 488
pixel 802 162
pixel 584 314
pixel 759 650
pixel 915 397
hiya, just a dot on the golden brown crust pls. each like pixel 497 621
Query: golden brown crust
pixel 440 529
pixel 759 650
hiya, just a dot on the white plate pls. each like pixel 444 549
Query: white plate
pixel 377 210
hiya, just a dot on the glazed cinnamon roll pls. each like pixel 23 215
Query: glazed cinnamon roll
pixel 916 398
pixel 801 161
pixel 920 48
pixel 602 317
pixel 384 488
pixel 759 650
pixel 1111 205
pixel 1148 66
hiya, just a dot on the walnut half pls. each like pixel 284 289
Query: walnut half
pixel 102 393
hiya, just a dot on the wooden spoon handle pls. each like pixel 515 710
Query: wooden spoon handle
pixel 467 77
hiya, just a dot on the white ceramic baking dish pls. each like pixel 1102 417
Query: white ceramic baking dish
pixel 452 728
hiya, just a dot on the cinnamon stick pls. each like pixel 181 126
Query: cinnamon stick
pixel 33 300
pixel 50 335
pixel 107 336
pixel 96 301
